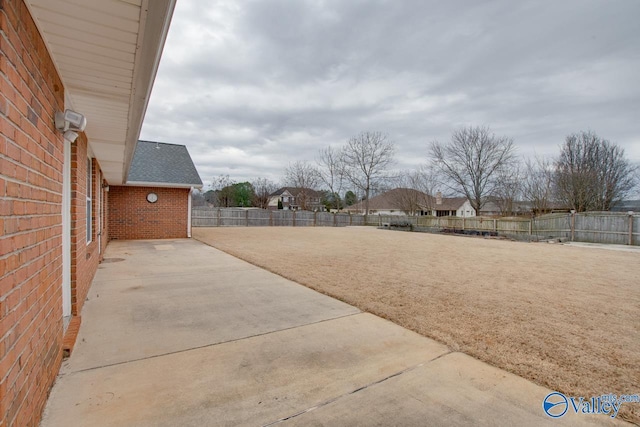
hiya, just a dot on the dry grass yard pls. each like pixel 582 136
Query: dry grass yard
pixel 564 317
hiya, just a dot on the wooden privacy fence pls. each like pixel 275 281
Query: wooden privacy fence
pixel 596 227
pixel 480 224
pixel 207 217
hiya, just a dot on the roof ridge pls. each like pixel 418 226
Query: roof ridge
pixel 160 142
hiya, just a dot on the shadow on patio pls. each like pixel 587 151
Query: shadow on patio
pixel 178 333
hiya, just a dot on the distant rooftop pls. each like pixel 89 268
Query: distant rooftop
pixel 395 199
pixel 167 165
pixel 294 191
pixel 627 205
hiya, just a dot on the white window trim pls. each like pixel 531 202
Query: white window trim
pixel 89 207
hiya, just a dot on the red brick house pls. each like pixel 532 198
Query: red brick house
pixel 98 58
pixel 155 203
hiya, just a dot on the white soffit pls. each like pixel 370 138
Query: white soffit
pixel 107 53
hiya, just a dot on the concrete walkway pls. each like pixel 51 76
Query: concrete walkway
pixel 176 333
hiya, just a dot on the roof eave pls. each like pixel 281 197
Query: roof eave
pixel 151 40
pixel 161 184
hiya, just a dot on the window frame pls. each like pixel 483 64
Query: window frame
pixel 89 201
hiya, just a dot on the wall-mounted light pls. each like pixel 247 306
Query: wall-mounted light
pixel 70 120
pixel 71 136
pixel 105 187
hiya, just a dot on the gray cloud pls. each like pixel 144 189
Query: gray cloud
pixel 250 86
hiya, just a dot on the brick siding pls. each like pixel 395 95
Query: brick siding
pixel 132 217
pixel 84 254
pixel 31 167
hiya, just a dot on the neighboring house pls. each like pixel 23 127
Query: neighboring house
pixel 493 208
pixel 405 201
pixel 450 206
pixel 155 202
pixel 98 59
pixel 294 198
pixel 496 207
pixel 490 208
pixel 399 201
pixel 627 206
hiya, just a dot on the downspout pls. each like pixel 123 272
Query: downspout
pixel 189 213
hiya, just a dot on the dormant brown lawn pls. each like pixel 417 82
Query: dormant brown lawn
pixel 564 317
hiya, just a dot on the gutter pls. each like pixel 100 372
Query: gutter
pixel 189 213
pixel 155 19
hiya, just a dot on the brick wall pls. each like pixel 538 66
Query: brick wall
pixel 84 250
pixel 31 167
pixel 105 217
pixel 132 217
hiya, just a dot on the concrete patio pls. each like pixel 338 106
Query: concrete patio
pixel 178 333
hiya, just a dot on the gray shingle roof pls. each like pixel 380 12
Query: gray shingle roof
pixel 394 200
pixel 162 163
pixel 391 200
pixel 294 191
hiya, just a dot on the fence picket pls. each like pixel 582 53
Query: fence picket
pixel 596 227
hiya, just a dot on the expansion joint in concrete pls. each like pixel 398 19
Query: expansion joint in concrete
pixel 364 387
pixel 209 345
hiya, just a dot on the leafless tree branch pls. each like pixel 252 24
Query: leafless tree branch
pixel 332 173
pixel 366 158
pixel 263 189
pixel 304 177
pixel 471 161
pixel 593 173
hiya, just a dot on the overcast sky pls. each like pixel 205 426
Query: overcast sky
pixel 249 86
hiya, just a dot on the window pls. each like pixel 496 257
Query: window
pixel 89 191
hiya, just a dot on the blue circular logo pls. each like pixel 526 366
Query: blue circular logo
pixel 555 404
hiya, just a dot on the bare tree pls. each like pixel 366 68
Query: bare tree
pixel 593 173
pixel 305 178
pixel 414 189
pixel 537 184
pixel 223 191
pixel 197 198
pixel 263 189
pixel 366 158
pixel 331 172
pixel 508 188
pixel 471 160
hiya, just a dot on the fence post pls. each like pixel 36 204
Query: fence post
pixel 294 218
pixel 334 219
pixel 315 218
pixel 573 224
pixel 630 227
pixel 246 217
pixel 350 219
pixel 495 225
pixel 462 223
pixel 530 226
pixel 218 217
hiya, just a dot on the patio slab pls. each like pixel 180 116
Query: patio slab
pixel 454 390
pixel 253 381
pixel 185 295
pixel 178 333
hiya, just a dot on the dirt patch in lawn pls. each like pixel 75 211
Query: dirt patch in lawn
pixel 564 317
